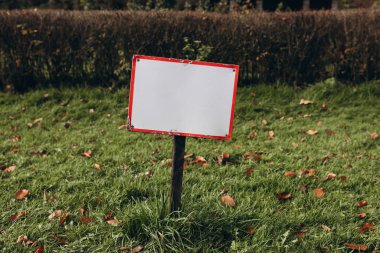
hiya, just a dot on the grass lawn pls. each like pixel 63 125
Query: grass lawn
pixel 131 182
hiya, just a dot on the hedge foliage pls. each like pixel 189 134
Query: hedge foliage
pixel 39 48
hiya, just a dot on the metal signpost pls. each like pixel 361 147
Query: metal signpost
pixel 181 98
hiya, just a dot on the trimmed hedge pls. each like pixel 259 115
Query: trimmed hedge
pixel 40 48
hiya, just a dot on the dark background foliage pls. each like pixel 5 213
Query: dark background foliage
pixel 42 48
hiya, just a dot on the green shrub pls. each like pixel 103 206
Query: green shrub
pixel 95 47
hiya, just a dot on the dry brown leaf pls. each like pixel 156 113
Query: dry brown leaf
pixel 295 144
pixel 200 160
pixel 329 132
pixel 361 215
pixel 63 218
pixel 290 174
pixel 55 214
pixel 271 134
pixel 114 222
pixel 10 168
pixel 308 172
pixel 366 227
pixel 312 132
pixel 256 158
pixel 300 234
pixel 59 239
pixel 82 211
pixel 108 216
pixel 85 219
pixel 98 166
pixel 250 230
pixel 123 126
pixel 326 228
pixel 223 159
pixel 324 106
pixel 362 203
pixel 227 200
pixel 343 178
pixel 284 196
pixel 252 135
pixel 87 154
pixel 374 136
pixel 15 217
pixel 264 122
pixel 319 193
pixel 22 239
pixel 21 194
pixel 330 176
pixel 40 249
pixel 303 187
pixel 138 248
pixel 248 172
pixel 359 247
pixel 15 138
pixel 305 101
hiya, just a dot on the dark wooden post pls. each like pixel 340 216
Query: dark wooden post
pixel 177 173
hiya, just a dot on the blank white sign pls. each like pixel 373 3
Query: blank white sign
pixel 182 97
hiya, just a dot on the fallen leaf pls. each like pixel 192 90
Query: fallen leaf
pixel 343 178
pixel 252 135
pixel 290 174
pixel 360 247
pixel 248 172
pixel 329 132
pixel 67 125
pixel 138 248
pixel 361 215
pixel 295 144
pixel 305 101
pixel 312 132
pixel 308 172
pixel 59 239
pixel 17 216
pixel 40 249
pixel 108 215
pixel 264 122
pixel 21 194
pixel 186 156
pixel 326 228
pixel 250 230
pixel 324 106
pixel 330 176
pixel 362 203
pixel 85 219
pixel 22 239
pixel 366 227
pixel 300 234
pixel 374 136
pixel 63 218
pixel 123 126
pixel 55 214
pixel 284 196
pixel 200 160
pixel 82 211
pixel 223 158
pixel 114 222
pixel 227 200
pixel 10 168
pixel 256 158
pixel 98 166
pixel 37 121
pixel 319 193
pixel 87 154
pixel 271 134
pixel 15 138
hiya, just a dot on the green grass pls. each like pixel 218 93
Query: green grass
pixel 49 160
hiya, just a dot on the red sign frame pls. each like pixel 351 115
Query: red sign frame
pixel 212 64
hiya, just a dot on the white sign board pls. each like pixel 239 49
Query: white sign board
pixel 182 97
